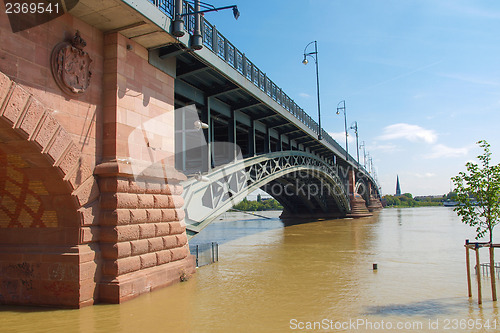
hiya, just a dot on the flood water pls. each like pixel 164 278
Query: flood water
pixel 310 277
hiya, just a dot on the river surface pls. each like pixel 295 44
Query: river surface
pixel 308 277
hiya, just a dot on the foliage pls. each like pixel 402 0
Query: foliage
pixel 478 192
pixel 263 204
pixel 408 195
pixel 407 200
pixel 451 196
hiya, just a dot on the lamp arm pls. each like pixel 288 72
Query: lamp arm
pixel 208 10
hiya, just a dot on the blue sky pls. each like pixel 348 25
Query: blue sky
pixel 421 77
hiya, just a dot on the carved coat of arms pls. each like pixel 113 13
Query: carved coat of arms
pixel 71 66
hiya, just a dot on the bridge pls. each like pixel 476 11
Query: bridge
pixel 124 132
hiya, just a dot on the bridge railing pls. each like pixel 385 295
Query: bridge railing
pixel 222 47
pixel 225 50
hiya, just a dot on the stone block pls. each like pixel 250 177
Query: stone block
pixel 33 116
pixel 163 257
pixel 177 228
pixel 168 215
pixel 162 201
pixel 5 85
pixel 181 239
pixel 138 216
pixel 148 260
pixel 139 247
pixel 154 215
pixel 60 142
pixel 180 214
pixel 119 233
pixel 145 201
pixel 46 132
pixel 162 229
pixel 69 159
pixel 179 253
pixel 155 244
pixel 169 242
pixel 16 104
pixel 115 217
pixel 87 192
pixel 116 250
pixel 121 266
pixel 147 231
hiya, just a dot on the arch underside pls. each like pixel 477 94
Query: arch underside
pixel 301 182
pixel 363 190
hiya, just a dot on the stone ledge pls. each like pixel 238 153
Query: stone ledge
pixel 129 286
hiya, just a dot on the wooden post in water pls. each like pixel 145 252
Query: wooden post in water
pixel 467 260
pixel 478 273
pixel 492 273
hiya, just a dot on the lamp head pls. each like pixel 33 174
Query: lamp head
pixel 200 125
pixel 236 12
pixel 305 61
pixel 338 112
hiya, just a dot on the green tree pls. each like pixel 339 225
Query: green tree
pixel 408 195
pixel 481 182
pixel 478 192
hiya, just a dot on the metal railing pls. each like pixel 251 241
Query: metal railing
pixel 205 254
pixel 225 50
pixel 218 44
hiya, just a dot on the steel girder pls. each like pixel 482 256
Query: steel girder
pixel 207 197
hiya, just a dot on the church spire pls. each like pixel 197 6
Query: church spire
pixel 398 188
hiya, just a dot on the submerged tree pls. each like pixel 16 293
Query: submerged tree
pixel 478 195
pixel 478 192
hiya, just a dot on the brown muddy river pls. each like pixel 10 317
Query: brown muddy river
pixel 311 277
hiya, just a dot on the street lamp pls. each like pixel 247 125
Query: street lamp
pixel 314 55
pixel 363 145
pixel 345 127
pixel 199 8
pixel 354 127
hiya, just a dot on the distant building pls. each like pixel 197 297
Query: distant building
pixel 398 188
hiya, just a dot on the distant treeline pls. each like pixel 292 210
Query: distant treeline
pixel 259 205
pixel 407 200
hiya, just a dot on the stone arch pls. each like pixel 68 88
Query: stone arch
pixel 48 200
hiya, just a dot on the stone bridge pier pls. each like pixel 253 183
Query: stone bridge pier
pixel 90 202
pixel 362 197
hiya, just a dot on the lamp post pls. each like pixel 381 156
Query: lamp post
pixel 354 126
pixel 363 145
pixel 199 9
pixel 345 127
pixel 314 55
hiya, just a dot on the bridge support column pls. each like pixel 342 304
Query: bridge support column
pixel 358 204
pixel 375 203
pixel 143 236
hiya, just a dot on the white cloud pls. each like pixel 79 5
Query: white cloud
pixel 304 95
pixel 340 137
pixel 409 132
pixel 388 148
pixel 440 151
